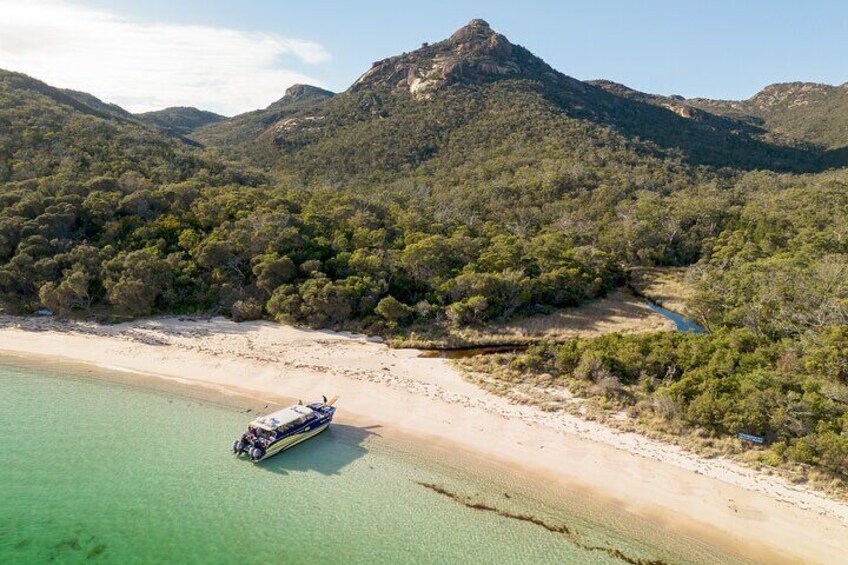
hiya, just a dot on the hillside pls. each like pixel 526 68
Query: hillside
pixel 102 215
pixel 448 103
pixel 83 183
pixel 49 131
pixel 811 112
pixel 179 121
pixel 247 128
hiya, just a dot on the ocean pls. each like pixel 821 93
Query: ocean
pixel 100 471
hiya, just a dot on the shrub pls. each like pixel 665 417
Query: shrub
pixel 392 310
pixel 246 310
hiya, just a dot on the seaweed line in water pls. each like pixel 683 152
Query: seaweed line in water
pixel 482 506
pixel 554 528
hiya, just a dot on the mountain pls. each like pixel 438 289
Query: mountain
pixel 15 84
pixel 51 132
pixel 395 187
pixel 445 100
pixel 473 54
pixel 179 121
pixel 245 128
pixel 812 112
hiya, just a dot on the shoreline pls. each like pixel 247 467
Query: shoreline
pixel 425 401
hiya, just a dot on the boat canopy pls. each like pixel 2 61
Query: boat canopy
pixel 281 418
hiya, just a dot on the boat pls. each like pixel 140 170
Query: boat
pixel 268 435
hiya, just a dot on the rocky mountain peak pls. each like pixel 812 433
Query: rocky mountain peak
pixel 474 53
pixel 475 30
pixel 477 23
pixel 303 91
pixel 300 93
pixel 477 38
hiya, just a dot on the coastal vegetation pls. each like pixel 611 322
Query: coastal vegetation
pixel 698 390
pixel 417 212
pixel 772 290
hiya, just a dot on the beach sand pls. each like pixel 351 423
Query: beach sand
pixel 407 396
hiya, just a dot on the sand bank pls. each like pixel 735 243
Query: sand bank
pixel 759 516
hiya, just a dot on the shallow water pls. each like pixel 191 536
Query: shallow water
pixel 95 471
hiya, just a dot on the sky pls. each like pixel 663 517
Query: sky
pixel 232 57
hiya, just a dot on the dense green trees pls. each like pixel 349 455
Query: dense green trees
pixel 485 202
pixel 136 280
pixel 316 258
pixel 730 381
pixel 772 286
pixel 102 215
pixel 781 268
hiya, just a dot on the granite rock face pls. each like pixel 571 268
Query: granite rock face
pixel 305 91
pixel 474 53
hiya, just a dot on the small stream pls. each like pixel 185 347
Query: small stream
pixel 682 324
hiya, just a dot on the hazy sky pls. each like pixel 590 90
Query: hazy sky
pixel 232 56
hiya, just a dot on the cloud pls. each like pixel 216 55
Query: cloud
pixel 144 66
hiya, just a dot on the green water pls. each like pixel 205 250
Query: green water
pixel 93 471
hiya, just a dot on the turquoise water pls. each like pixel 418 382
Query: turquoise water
pixel 95 471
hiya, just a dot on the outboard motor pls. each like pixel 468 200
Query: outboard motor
pixel 238 446
pixel 256 454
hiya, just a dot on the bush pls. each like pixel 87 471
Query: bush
pixel 392 310
pixel 469 311
pixel 246 310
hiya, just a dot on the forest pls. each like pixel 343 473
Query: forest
pixel 487 202
pixel 772 289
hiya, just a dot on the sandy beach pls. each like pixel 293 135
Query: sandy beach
pixel 405 395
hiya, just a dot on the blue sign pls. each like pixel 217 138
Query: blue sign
pixel 749 437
